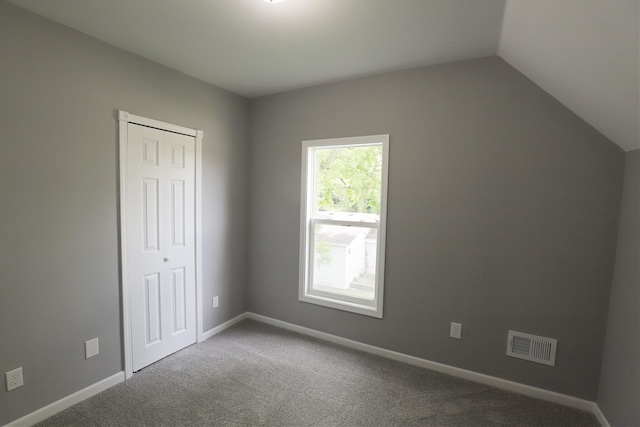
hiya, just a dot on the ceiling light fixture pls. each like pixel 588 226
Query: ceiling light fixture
pixel 273 1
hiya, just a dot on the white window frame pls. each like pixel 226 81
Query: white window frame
pixel 307 222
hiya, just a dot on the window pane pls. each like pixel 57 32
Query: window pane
pixel 345 260
pixel 348 179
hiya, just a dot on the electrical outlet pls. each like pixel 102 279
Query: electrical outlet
pixel 14 379
pixel 456 330
pixel 215 302
pixel 91 348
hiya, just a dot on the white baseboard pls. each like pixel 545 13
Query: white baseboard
pixel 500 383
pixel 604 422
pixel 562 399
pixel 226 325
pixel 62 404
pixel 77 397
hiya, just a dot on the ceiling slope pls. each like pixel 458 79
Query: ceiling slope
pixel 585 54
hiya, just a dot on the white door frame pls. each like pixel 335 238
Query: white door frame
pixel 124 118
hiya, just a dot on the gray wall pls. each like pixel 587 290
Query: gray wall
pixel 503 208
pixel 503 211
pixel 619 392
pixel 59 286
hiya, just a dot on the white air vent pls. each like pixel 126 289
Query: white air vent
pixel 531 347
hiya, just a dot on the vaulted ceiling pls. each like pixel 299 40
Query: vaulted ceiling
pixel 583 52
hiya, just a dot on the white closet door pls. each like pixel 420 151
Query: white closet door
pixel 160 199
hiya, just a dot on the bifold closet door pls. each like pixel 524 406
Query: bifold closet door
pixel 160 233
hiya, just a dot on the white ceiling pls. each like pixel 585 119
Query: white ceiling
pixel 583 52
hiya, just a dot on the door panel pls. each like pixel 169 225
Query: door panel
pixel 179 301
pixel 180 232
pixel 177 156
pixel 150 214
pixel 150 151
pixel 152 308
pixel 177 213
pixel 160 233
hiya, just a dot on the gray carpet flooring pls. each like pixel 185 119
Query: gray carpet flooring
pixel 254 374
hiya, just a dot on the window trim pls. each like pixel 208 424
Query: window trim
pixel 336 301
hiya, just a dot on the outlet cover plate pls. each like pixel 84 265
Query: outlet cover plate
pixel 14 379
pixel 215 302
pixel 456 330
pixel 91 348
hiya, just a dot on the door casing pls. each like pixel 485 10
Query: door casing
pixel 124 118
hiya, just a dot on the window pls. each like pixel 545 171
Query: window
pixel 342 231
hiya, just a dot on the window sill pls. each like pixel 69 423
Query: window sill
pixel 338 304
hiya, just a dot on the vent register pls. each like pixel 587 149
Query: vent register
pixel 532 348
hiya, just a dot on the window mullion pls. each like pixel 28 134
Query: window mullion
pixel 343 223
